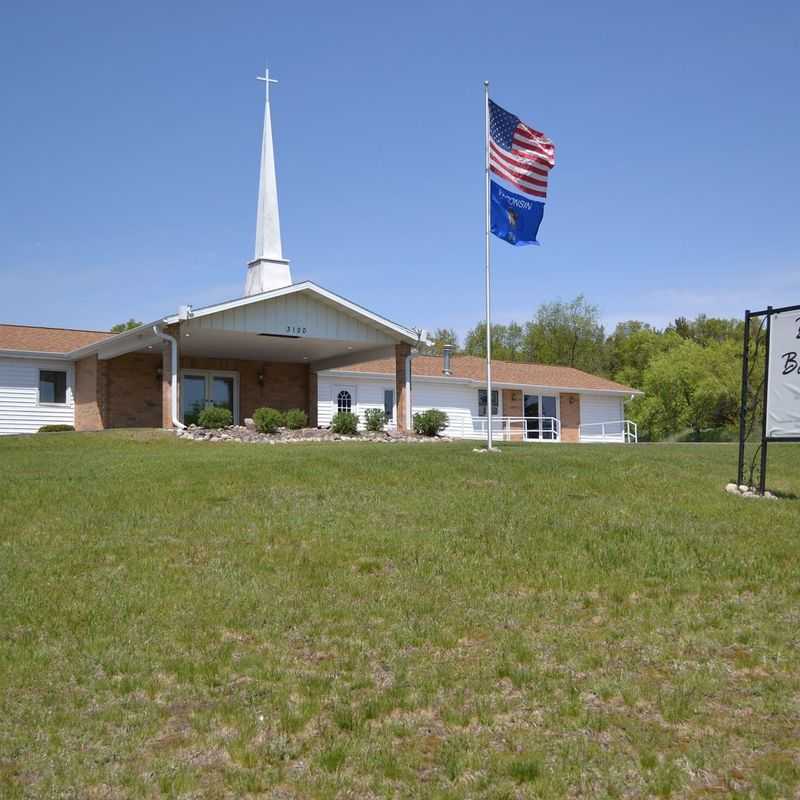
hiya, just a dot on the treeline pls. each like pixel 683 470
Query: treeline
pixel 690 370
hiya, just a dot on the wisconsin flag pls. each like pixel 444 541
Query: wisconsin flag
pixel 515 218
pixel 521 159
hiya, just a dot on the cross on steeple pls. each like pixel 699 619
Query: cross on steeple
pixel 267 81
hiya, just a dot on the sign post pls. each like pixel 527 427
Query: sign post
pixel 743 405
pixel 762 474
pixel 780 401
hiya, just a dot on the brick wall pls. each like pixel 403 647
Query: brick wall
pixel 512 407
pixel 313 397
pixel 166 386
pixel 401 351
pixel 126 391
pixel 283 386
pixel 133 398
pixel 90 390
pixel 122 392
pixel 570 409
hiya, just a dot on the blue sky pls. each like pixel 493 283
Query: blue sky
pixel 130 140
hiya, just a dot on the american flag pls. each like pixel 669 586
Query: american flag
pixel 518 153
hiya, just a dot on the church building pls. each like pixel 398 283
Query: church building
pixel 285 345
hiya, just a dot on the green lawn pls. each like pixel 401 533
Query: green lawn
pixel 182 619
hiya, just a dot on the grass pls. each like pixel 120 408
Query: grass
pixel 182 619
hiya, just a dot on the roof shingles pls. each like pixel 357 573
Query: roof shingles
pixel 47 340
pixel 64 340
pixel 508 372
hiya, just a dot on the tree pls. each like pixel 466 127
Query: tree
pixel 514 342
pixel 125 326
pixel 682 327
pixel 475 340
pixel 439 338
pixel 705 330
pixel 689 386
pixel 714 329
pixel 507 342
pixel 631 348
pixel 568 334
pixel 690 371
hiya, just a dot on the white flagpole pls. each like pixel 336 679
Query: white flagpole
pixel 488 282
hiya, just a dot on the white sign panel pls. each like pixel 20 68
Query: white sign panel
pixel 783 391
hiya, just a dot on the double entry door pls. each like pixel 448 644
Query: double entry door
pixel 202 388
pixel 543 408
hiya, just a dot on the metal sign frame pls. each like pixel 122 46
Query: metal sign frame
pixel 768 312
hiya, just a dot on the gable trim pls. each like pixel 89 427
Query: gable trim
pixel 306 286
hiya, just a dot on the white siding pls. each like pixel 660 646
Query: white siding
pixel 601 408
pixel 368 393
pixel 294 314
pixel 458 401
pixel 20 411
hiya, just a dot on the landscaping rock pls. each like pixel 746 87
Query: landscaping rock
pixel 248 434
pixel 747 491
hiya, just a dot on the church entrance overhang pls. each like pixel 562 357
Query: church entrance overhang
pixel 303 323
pixel 273 343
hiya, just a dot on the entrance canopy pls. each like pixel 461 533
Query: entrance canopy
pixel 301 323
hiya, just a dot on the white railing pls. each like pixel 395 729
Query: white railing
pixel 620 430
pixel 506 429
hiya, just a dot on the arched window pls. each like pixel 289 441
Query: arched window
pixel 344 402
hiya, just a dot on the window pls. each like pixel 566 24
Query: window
pixel 52 386
pixel 482 402
pixel 388 403
pixel 344 402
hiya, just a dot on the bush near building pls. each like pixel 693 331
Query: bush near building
pixel 268 420
pixel 215 417
pixel 430 423
pixel 296 418
pixel 375 419
pixel 345 423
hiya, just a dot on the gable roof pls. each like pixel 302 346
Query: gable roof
pixel 28 338
pixel 75 344
pixel 308 287
pixel 473 369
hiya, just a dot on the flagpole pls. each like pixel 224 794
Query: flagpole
pixel 488 279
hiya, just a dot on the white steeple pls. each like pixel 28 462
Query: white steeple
pixel 269 269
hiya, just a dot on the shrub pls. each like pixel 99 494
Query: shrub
pixel 55 428
pixel 376 419
pixel 345 423
pixel 215 417
pixel 268 420
pixel 430 423
pixel 296 418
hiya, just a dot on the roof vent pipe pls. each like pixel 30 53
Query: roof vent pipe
pixel 447 353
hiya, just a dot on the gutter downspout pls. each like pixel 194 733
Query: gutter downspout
pixel 174 365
